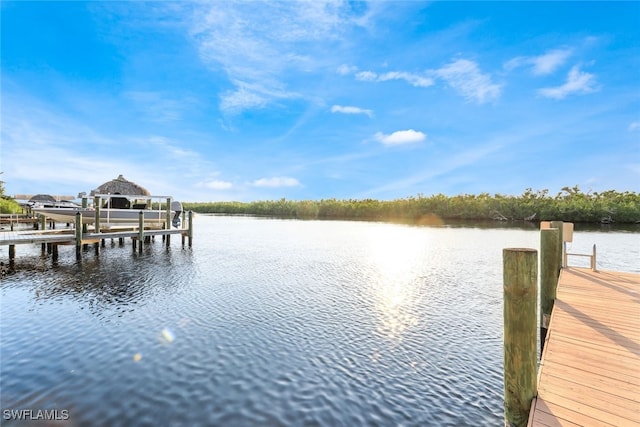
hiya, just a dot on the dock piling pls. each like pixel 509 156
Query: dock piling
pixel 85 203
pixel 78 230
pixel 168 220
pixel 12 256
pixel 190 230
pixel 140 230
pixel 549 267
pixel 96 209
pixel 520 281
pixel 560 226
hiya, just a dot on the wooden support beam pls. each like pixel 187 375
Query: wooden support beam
pixel 78 231
pixel 549 267
pixel 520 280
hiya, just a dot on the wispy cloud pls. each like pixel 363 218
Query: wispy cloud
pixel 216 185
pixel 256 43
pixel 400 137
pixel 578 82
pixel 634 126
pixel 278 181
pixel 158 107
pixel 74 154
pixel 351 110
pixel 462 75
pixel 345 69
pixel 465 77
pixel 416 80
pixel 543 64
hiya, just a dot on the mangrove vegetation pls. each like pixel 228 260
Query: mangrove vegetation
pixel 570 204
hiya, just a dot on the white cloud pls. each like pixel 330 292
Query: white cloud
pixel 578 82
pixel 278 181
pixel 367 76
pixel 258 43
pixel 345 69
pixel 413 79
pixel 550 61
pixel 351 110
pixel 465 77
pixel 400 137
pixel 217 185
pixel 634 126
pixel 543 64
pixel 241 99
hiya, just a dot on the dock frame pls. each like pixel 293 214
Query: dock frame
pixel 80 237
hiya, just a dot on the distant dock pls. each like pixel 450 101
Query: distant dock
pixel 81 236
pixel 590 369
pixel 12 220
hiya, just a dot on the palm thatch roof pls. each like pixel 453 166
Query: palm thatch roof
pixel 120 185
pixel 42 198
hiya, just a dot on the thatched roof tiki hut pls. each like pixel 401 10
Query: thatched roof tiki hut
pixel 44 199
pixel 120 185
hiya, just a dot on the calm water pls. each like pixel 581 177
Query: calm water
pixel 271 322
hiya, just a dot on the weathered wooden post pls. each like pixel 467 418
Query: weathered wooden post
pixel 96 214
pixel 190 230
pixel 520 281
pixel 168 220
pixel 78 230
pixel 593 259
pixel 85 204
pixel 559 225
pixel 54 255
pixel 183 224
pixel 12 256
pixel 140 230
pixel 549 267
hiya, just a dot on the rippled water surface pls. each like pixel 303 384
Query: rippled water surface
pixel 270 322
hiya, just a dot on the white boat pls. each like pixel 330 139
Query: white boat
pixel 119 210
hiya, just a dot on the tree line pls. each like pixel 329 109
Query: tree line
pixel 570 204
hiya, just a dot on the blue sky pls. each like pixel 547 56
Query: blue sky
pixel 309 100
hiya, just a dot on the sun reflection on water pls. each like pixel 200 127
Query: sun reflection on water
pixel 397 255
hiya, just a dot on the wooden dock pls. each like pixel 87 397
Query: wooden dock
pixel 80 236
pixel 67 238
pixel 589 374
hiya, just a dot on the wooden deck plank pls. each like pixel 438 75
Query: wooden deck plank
pixel 589 345
pixel 574 390
pixel 565 416
pixel 592 361
pixel 590 370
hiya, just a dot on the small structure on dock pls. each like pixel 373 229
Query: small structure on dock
pixel 120 185
pixel 42 199
pixel 121 209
